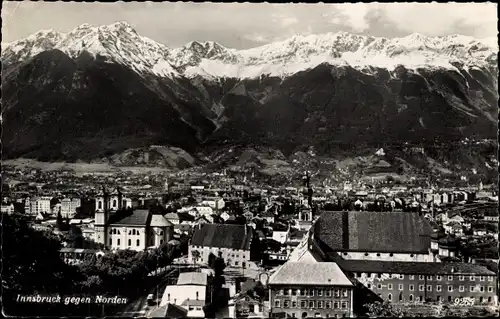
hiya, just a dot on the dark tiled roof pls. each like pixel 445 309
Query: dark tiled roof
pixel 139 217
pixel 373 231
pixel 223 236
pixel 174 311
pixel 424 268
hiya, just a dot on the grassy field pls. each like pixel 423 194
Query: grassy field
pixel 81 167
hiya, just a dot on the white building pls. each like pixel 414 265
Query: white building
pixel 36 205
pixel 69 206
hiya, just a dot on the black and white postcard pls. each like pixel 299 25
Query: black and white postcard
pixel 249 160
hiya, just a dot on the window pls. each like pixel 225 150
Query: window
pixel 461 288
pixel 111 241
pixel 389 286
pixel 379 286
pixel 490 278
pixel 481 299
pixel 438 288
pixel 328 304
pixel 450 278
pixel 114 202
pixel 461 278
pixel 286 292
pixel 378 275
pixel 389 297
pixel 421 277
pixel 320 304
pixel 277 303
pixel 450 288
pixel 421 287
pixel 411 298
pixel 303 304
pixel 438 298
pixel 429 287
pixel 400 297
pixel 161 241
pixel 294 292
pixel 438 278
pixel 490 289
pixel 344 304
pixel 401 276
pixel 412 288
pixel 378 255
pixel 429 277
pixel 130 242
pixel 369 286
pixel 328 292
pixel 449 298
pixel 311 292
pixel 336 305
pixel 472 278
pixel 489 299
pixel 482 278
pixel 303 292
pixel 311 304
pixel 320 292
pixel 481 288
pixel 471 288
pixel 118 242
pixel 294 304
pixel 337 293
pixel 286 304
pixel 197 295
pixel 138 242
pixel 344 293
pixel 420 298
pixel 412 277
pixel 400 287
pixel 100 205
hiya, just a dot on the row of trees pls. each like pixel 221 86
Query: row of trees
pixel 31 264
pixel 385 309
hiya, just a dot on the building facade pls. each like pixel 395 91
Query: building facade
pixel 305 290
pixel 135 229
pixel 231 242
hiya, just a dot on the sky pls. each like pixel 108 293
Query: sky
pixel 248 25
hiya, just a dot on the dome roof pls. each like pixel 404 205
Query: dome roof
pixel 158 220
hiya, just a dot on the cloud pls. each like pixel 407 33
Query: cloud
pixel 241 25
pixel 354 16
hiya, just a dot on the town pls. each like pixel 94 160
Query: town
pixel 227 244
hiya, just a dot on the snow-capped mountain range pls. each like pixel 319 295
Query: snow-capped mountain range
pixel 120 43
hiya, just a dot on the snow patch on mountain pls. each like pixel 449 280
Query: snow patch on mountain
pixel 120 43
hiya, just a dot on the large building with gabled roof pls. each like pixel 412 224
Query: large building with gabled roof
pixel 232 242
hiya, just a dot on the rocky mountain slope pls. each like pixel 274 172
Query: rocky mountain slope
pixel 98 91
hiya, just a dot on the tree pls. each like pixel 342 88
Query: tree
pixel 31 264
pixel 383 309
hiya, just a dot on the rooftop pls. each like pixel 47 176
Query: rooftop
pixel 309 273
pixel 192 278
pixel 223 236
pixel 137 217
pixel 158 220
pixel 424 268
pixel 373 231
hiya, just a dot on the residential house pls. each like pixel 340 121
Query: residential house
pixel 173 218
pixel 232 242
pixel 190 293
pixel 7 208
pixel 69 207
pixel 310 289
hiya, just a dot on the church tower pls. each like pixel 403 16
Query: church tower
pixel 101 216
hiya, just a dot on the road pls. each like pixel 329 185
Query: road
pixel 140 307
